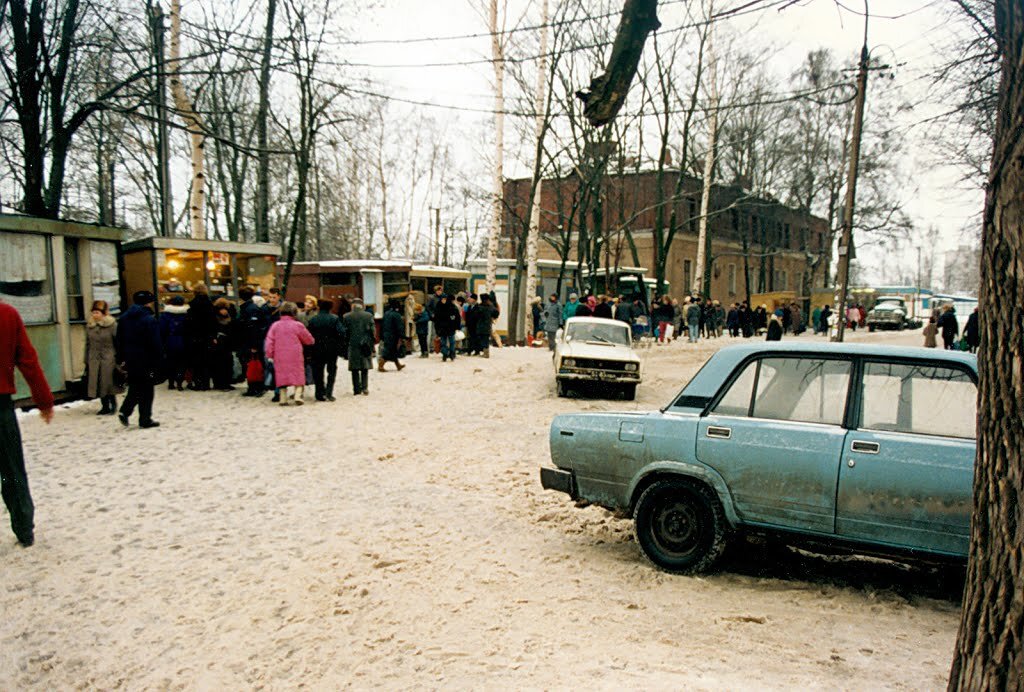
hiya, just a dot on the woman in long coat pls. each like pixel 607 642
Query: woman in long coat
pixel 101 357
pixel 283 345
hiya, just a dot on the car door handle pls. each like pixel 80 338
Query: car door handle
pixel 719 432
pixel 864 447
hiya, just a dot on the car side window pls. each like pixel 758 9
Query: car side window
pixel 736 401
pixel 809 390
pixel 921 399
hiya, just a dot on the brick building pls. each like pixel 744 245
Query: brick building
pixel 775 247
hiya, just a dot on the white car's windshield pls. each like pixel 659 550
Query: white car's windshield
pixel 602 333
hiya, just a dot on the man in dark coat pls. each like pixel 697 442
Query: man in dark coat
pixel 138 339
pixel 971 334
pixel 16 351
pixel 329 335
pixel 624 310
pixel 486 312
pixel 446 323
pixel 252 329
pixel 200 332
pixel 604 308
pixel 392 329
pixel 359 328
pixel 949 326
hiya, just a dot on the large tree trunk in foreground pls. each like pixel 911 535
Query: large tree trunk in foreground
pixel 990 647
pixel 194 125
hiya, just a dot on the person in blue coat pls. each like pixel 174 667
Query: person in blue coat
pixel 142 354
pixel 172 336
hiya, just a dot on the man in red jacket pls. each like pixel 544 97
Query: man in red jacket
pixel 16 351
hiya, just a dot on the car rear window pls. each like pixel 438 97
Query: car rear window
pixel 921 399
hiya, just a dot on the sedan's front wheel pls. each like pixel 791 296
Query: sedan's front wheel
pixel 680 526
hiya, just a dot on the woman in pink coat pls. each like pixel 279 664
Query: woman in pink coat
pixel 284 343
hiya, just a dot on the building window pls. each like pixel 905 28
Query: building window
pixel 25 276
pixel 730 273
pixel 687 272
pixel 785 236
pixel 73 281
pixel 691 205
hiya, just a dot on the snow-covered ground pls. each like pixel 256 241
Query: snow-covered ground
pixel 403 540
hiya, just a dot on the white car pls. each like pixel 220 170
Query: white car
pixel 593 350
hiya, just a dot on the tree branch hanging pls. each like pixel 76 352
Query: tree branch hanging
pixel 607 92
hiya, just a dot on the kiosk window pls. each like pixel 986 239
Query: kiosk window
pixel 25 276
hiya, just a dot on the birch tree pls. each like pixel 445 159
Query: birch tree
pixel 193 124
pixel 498 63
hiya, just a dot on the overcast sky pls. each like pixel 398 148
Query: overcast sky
pixel 903 33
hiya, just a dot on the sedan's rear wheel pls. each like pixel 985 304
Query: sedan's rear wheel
pixel 563 389
pixel 680 526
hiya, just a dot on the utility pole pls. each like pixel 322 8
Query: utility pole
pixel 846 238
pixel 163 151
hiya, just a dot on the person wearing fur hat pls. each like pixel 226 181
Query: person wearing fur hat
pixel 101 357
pixel 140 349
pixel 361 330
pixel 774 328
pixel 172 335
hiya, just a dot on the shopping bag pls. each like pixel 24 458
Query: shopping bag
pixel 668 331
pixel 254 371
pixel 268 374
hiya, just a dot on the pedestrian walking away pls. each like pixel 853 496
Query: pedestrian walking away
pixel 392 328
pixel 931 330
pixel 101 358
pixel 16 351
pixel 359 329
pixel 141 352
pixel 283 348
pixel 949 327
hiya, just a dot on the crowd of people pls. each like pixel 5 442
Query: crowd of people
pixel 267 343
pixel 669 319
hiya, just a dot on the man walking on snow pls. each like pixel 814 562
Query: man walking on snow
pixel 17 351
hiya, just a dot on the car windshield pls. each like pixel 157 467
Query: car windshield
pixel 601 333
pixel 889 304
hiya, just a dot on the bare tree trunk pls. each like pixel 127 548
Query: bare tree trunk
pixel 194 125
pixel 703 239
pixel 539 101
pixel 262 115
pixel 989 651
pixel 498 58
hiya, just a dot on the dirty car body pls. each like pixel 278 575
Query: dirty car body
pixel 850 447
pixel 597 351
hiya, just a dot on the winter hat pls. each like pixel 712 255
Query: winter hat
pixel 591 301
pixel 143 298
pixel 573 296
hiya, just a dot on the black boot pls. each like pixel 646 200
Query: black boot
pixel 109 406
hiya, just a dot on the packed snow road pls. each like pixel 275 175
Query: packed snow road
pixel 403 539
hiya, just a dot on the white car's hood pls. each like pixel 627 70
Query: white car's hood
pixel 581 349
